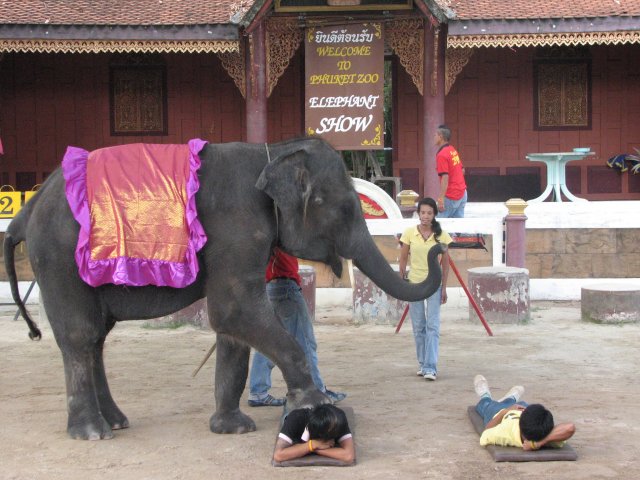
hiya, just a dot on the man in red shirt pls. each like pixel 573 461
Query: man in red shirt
pixel 453 189
pixel 285 294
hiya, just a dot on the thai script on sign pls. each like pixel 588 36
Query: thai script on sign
pixel 343 36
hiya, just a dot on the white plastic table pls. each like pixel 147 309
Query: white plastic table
pixel 556 178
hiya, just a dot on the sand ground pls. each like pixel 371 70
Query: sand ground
pixel 406 427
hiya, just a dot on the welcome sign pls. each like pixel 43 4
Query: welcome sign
pixel 344 94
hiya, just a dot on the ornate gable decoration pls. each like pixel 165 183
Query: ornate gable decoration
pixel 406 38
pixel 283 37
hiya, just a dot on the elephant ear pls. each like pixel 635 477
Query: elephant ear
pixel 287 181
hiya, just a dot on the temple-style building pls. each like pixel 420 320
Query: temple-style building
pixel 509 78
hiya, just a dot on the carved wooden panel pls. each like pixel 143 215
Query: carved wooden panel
pixel 138 99
pixel 563 95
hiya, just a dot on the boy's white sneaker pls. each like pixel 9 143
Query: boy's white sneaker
pixel 515 392
pixel 481 386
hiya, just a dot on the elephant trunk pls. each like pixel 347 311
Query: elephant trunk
pixel 373 264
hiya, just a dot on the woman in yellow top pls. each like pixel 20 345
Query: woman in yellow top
pixel 425 321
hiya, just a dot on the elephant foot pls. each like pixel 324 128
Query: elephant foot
pixel 116 419
pixel 231 422
pixel 98 430
pixel 298 398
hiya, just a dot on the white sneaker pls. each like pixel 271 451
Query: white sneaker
pixel 481 386
pixel 430 376
pixel 515 392
pixel 419 373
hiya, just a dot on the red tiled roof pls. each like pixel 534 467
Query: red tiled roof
pixel 119 12
pixel 527 9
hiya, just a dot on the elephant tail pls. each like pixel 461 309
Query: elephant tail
pixel 13 236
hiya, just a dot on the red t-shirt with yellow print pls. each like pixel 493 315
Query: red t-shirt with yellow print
pixel 448 162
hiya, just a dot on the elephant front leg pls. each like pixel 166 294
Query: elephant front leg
pixel 232 365
pixel 85 421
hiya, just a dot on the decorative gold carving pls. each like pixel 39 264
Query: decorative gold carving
pixel 563 94
pixel 138 101
pixel 121 46
pixel 549 39
pixel 456 59
pixel 406 38
pixel 370 209
pixel 375 140
pixel 284 36
pixel 233 63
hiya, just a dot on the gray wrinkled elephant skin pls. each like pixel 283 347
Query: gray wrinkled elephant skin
pixel 317 217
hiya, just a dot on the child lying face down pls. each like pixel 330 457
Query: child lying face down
pixel 509 422
pixel 322 430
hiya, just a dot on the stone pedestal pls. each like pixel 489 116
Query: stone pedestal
pixel 196 314
pixel 610 303
pixel 371 304
pixel 502 294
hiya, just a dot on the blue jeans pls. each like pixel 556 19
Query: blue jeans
pixel 488 407
pixel 289 305
pixel 426 330
pixel 454 208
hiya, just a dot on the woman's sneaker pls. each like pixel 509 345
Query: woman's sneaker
pixel 430 376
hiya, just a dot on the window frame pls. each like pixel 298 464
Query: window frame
pixel 536 93
pixel 152 65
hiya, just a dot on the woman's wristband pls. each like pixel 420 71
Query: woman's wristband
pixel 310 444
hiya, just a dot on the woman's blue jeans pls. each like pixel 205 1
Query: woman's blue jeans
pixel 488 407
pixel 426 330
pixel 289 305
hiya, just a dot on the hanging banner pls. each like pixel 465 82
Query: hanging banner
pixel 344 91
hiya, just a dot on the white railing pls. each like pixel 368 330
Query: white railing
pixel 486 226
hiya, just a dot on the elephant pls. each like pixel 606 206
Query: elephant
pixel 295 194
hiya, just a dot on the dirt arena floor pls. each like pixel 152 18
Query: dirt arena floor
pixel 405 427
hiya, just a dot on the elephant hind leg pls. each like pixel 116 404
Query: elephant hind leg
pixel 110 411
pixel 81 338
pixel 232 366
pixel 85 421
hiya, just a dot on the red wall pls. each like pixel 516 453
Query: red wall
pixel 51 101
pixel 490 111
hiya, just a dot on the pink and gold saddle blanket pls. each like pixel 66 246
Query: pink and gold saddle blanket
pixel 136 208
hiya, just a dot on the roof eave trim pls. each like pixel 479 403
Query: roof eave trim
pixel 119 46
pixel 544 40
pixel 542 26
pixel 119 32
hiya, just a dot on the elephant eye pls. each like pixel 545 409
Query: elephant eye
pixel 318 201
